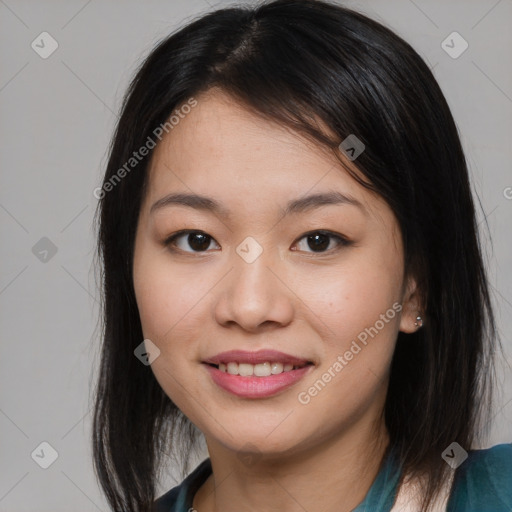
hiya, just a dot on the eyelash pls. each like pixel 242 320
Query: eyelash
pixel 341 241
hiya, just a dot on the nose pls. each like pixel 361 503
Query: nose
pixel 255 296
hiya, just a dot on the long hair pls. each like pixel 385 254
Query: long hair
pixel 296 62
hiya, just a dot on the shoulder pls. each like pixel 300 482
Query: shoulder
pixel 179 498
pixel 483 481
pixel 167 502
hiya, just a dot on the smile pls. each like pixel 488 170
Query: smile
pixel 256 374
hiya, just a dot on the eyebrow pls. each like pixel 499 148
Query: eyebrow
pixel 295 206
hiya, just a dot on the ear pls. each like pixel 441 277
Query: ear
pixel 411 308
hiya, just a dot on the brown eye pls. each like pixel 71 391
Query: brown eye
pixel 320 241
pixel 195 240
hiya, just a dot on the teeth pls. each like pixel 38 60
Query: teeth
pixel 258 370
pixel 233 368
pixel 276 368
pixel 245 370
pixel 262 370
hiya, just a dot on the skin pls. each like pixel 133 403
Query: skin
pixel 323 455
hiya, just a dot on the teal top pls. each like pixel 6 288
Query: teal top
pixel 482 483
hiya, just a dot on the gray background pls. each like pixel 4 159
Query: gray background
pixel 57 116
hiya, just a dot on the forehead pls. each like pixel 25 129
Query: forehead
pixel 222 149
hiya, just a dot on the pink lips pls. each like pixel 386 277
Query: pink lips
pixel 256 387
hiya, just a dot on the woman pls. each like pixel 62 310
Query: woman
pixel 291 265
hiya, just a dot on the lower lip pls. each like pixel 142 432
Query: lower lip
pixel 256 387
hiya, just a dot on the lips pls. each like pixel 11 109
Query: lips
pixel 247 375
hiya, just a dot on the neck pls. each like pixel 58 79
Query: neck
pixel 333 476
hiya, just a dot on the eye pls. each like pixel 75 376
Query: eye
pixel 320 241
pixel 197 240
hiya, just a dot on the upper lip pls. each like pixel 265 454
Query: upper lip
pixel 260 356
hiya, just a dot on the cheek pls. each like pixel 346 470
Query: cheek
pixel 350 384
pixel 167 295
pixel 360 306
pixel 353 297
pixel 169 303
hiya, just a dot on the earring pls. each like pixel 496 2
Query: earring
pixel 419 321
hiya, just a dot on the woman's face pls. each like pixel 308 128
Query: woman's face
pixel 255 281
